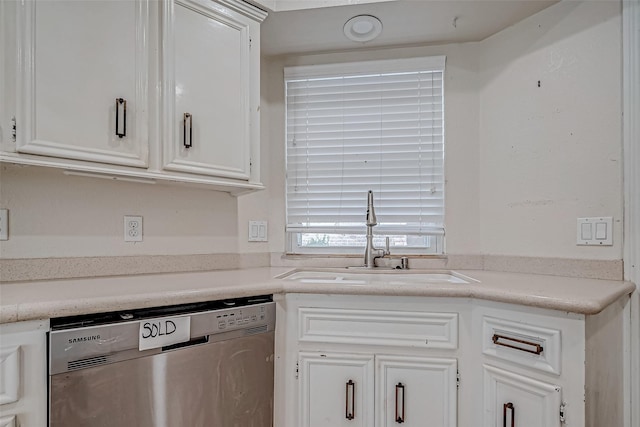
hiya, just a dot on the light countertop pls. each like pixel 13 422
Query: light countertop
pixel 56 298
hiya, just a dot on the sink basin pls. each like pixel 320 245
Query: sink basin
pixel 387 277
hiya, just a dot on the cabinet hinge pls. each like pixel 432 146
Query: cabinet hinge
pixel 297 369
pixel 250 42
pixel 13 129
pixel 457 379
pixel 562 412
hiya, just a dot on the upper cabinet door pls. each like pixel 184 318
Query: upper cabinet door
pixel 207 63
pixel 83 80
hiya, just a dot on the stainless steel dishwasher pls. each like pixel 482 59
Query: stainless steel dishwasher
pixel 207 364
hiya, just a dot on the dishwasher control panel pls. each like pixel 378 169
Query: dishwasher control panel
pixel 241 317
pixel 78 344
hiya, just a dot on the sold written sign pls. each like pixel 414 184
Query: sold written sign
pixel 165 331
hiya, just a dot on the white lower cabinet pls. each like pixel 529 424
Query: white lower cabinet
pixel 23 374
pixel 512 400
pixel 360 362
pixel 532 361
pixel 416 391
pixel 336 390
pixel 379 361
pixel 345 390
pixel 8 421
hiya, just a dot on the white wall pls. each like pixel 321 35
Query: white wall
pixel 522 162
pixel 551 154
pixel 267 205
pixel 54 215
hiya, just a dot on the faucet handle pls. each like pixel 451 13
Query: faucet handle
pixel 387 251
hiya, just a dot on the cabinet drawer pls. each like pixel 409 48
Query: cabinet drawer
pixel 377 327
pixel 528 345
pixel 9 374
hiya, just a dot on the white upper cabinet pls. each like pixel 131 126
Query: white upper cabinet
pixel 209 59
pixel 165 91
pixel 83 80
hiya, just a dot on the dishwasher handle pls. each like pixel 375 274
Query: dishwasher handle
pixel 190 343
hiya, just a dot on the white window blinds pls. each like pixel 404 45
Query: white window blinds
pixel 357 127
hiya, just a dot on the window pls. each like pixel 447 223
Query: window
pixel 355 127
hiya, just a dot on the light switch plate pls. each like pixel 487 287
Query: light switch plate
pixel 596 231
pixel 258 231
pixel 4 224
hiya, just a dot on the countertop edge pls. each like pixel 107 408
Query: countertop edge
pixel 63 308
pixel 525 296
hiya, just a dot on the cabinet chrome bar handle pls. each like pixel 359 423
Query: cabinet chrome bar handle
pixel 187 118
pixel 399 406
pixel 537 348
pixel 506 406
pixel 121 104
pixel 350 397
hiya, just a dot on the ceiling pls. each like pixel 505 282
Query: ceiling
pixel 280 5
pixel 405 22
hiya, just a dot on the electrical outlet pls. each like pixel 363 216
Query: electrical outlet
pixel 132 228
pixel 4 224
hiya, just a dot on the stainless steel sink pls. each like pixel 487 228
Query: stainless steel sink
pixel 368 276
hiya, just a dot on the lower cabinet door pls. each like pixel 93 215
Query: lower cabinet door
pixel 415 391
pixel 336 390
pixel 23 374
pixel 512 400
pixel 9 421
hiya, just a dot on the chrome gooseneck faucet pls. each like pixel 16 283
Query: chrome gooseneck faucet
pixel 371 252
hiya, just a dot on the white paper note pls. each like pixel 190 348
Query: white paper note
pixel 164 331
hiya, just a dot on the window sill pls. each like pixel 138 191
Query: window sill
pixel 296 256
pixel 352 260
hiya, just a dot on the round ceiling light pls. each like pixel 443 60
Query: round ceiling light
pixel 362 28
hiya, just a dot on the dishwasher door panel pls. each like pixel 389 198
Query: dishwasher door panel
pixel 223 384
